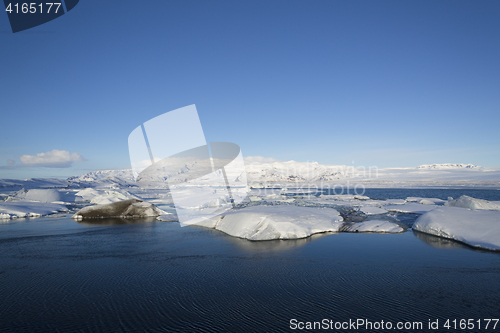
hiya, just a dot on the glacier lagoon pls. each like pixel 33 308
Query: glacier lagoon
pixel 142 274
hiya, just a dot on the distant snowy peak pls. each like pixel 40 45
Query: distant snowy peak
pixel 260 171
pixel 449 166
pixel 121 177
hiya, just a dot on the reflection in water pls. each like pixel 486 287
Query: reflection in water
pixel 116 221
pixel 277 245
pixel 161 277
pixel 444 243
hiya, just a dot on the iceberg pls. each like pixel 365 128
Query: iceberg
pixel 477 228
pixel 413 208
pixel 472 203
pixel 372 210
pixel 43 195
pixel 126 208
pixel 20 208
pixel 276 222
pixel 426 201
pixel 395 202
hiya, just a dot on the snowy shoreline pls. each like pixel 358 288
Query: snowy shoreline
pixel 317 201
pixel 276 213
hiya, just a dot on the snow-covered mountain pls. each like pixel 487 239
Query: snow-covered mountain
pixel 261 171
pixel 448 166
pixel 293 171
pixel 257 172
pixel 122 177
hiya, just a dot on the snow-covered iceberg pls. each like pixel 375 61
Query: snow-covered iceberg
pixel 101 197
pixel 372 210
pixel 426 201
pixel 125 208
pixel 43 195
pixel 290 222
pixel 472 203
pixel 413 208
pixel 478 228
pixel 277 222
pixel 16 209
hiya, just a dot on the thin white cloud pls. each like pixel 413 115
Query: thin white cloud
pixel 52 159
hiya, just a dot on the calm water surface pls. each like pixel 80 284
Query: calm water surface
pixel 59 275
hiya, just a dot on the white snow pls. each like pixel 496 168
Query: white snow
pixel 104 178
pixel 101 197
pixel 110 196
pixel 277 222
pixel 478 228
pixel 373 226
pixel 262 172
pixel 290 222
pixel 48 195
pixel 426 201
pixel 372 210
pixel 449 166
pixel 472 203
pixel 43 195
pixel 413 208
pixel 343 197
pixel 395 201
pixel 16 209
pixel 86 194
pixel 125 208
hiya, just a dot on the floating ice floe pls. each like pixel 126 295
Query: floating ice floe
pixel 290 222
pixel 125 208
pixel 426 201
pixel 378 226
pixel 394 202
pixel 413 208
pixel 372 210
pixel 344 197
pixel 472 203
pixel 276 222
pixel 478 228
pixel 21 208
pixel 43 195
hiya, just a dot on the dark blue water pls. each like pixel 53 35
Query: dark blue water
pixel 381 194
pixel 59 275
pixel 401 193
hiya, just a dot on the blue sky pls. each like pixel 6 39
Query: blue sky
pixel 374 83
